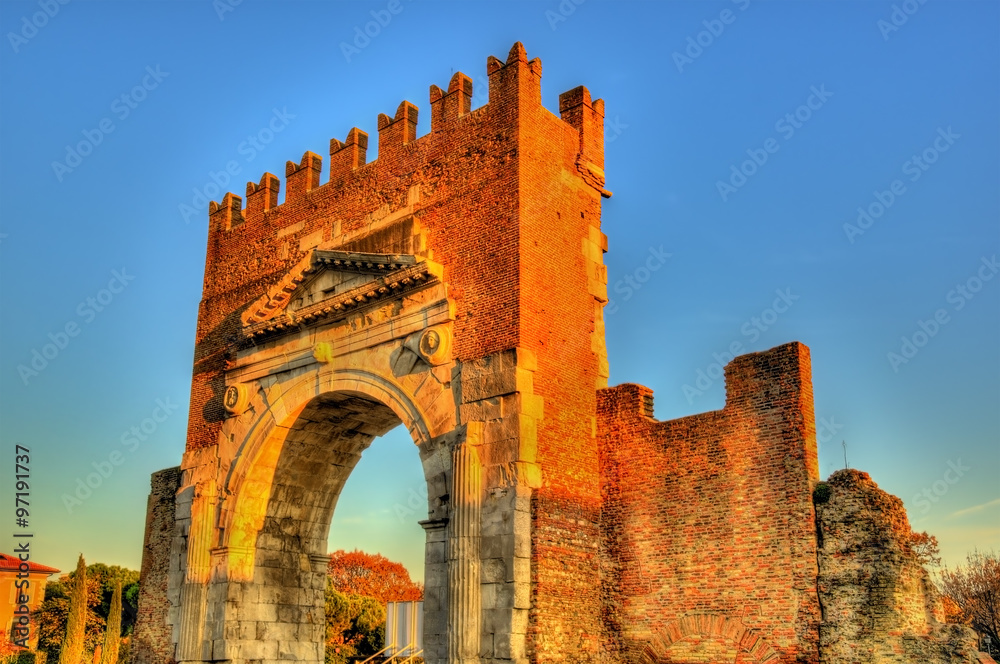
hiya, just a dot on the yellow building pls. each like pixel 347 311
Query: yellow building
pixel 14 594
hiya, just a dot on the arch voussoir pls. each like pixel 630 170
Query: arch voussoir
pixel 727 628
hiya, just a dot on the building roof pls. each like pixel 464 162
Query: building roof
pixel 10 563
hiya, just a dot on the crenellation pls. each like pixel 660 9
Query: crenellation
pixel 451 105
pixel 587 117
pixel 226 215
pixel 263 196
pixel 303 177
pixel 347 156
pixel 398 130
pixel 516 81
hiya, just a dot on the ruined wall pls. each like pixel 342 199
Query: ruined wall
pixel 879 605
pixel 708 543
pixel 151 640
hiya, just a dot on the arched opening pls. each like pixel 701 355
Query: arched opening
pixel 308 462
pixel 321 448
pixel 377 532
pixel 255 562
pixel 382 504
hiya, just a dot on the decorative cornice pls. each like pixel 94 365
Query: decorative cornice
pixel 274 301
pixel 398 278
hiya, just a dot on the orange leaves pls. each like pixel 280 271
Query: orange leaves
pixel 372 575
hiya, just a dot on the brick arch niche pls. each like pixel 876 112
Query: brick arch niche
pixel 709 639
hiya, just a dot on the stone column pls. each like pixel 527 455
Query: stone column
pixel 194 592
pixel 464 599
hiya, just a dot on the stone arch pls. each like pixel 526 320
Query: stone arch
pixel 257 439
pixel 747 640
pixel 292 447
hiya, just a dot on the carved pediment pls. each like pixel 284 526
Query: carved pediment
pixel 326 285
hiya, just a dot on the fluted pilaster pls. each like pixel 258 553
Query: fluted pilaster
pixel 464 598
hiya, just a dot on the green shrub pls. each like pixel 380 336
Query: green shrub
pixel 821 493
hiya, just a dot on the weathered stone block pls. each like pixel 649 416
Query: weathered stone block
pixel 494 570
pixel 481 411
pixel 480 382
pixel 491 546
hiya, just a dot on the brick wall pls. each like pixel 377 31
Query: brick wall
pixel 709 539
pixel 560 215
pixel 151 642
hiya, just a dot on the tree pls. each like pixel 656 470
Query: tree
pixel 51 617
pixel 76 624
pixel 953 612
pixel 372 575
pixel 108 577
pixel 113 634
pixel 975 588
pixel 8 651
pixel 355 626
pixel 926 548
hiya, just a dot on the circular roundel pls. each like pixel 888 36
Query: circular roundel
pixel 236 398
pixel 435 345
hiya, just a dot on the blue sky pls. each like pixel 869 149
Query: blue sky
pixel 825 107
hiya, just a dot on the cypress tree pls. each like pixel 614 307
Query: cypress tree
pixel 113 636
pixel 76 624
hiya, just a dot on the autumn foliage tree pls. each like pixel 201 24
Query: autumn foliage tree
pixel 8 651
pixel 372 575
pixel 926 549
pixel 975 589
pixel 358 586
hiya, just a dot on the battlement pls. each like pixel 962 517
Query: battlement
pixel 514 90
pixel 777 377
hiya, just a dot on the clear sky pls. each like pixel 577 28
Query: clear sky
pixel 115 115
